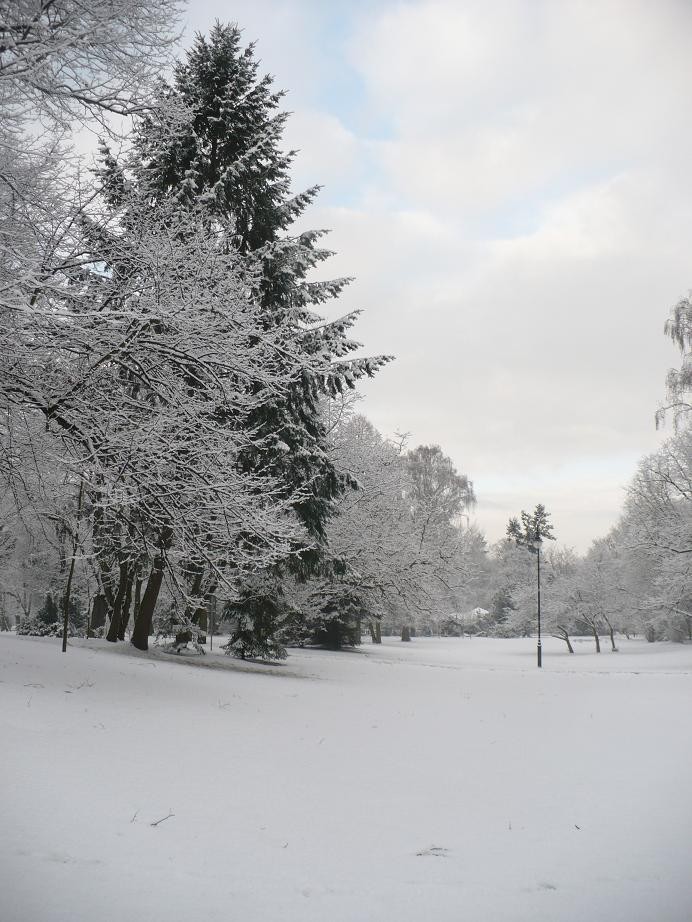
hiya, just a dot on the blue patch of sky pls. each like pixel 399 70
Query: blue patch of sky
pixel 342 90
pixel 335 86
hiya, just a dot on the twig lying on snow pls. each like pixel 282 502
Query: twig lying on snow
pixel 162 819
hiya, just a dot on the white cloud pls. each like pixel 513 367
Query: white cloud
pixel 511 191
pixel 327 152
pixel 524 354
pixel 501 101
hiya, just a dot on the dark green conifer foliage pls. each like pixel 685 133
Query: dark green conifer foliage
pixel 48 613
pixel 341 615
pixel 533 528
pixel 257 614
pixel 228 154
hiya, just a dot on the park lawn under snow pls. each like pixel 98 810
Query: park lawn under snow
pixel 445 779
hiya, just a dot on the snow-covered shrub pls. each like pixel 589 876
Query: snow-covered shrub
pixel 34 627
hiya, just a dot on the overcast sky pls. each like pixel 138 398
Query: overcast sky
pixel 509 184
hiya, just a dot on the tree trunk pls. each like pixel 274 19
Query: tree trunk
pixel 611 632
pixel 406 633
pixel 68 588
pixel 138 596
pixel 563 635
pixel 597 639
pixel 145 616
pixel 125 612
pixel 66 604
pixel 183 638
pixel 98 613
pixel 375 631
pixel 114 627
pixel 203 622
pixel 106 582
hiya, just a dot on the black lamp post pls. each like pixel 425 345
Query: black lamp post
pixel 535 546
pixel 529 534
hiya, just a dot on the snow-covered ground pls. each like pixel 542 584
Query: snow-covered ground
pixel 443 780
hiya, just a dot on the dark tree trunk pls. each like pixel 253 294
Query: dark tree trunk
pixel 564 635
pixel 199 618
pixel 202 620
pixel 406 633
pixel 68 588
pixel 107 586
pixel 332 635
pixel 375 631
pixel 98 613
pixel 125 613
pixel 138 597
pixel 597 639
pixel 145 616
pixel 114 627
pixel 611 634
pixel 66 604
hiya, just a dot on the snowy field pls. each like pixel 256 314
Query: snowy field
pixel 442 780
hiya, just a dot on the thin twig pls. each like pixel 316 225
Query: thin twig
pixel 162 819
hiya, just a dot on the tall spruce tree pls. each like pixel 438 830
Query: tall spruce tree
pixel 226 151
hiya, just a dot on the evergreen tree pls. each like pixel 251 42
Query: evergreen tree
pixel 534 527
pixel 501 604
pixel 48 613
pixel 222 147
pixel 257 615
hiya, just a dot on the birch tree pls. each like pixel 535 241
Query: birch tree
pixel 678 328
pixel 656 536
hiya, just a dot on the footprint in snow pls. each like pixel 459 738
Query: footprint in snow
pixel 435 850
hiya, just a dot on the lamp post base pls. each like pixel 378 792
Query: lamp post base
pixel 539 651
